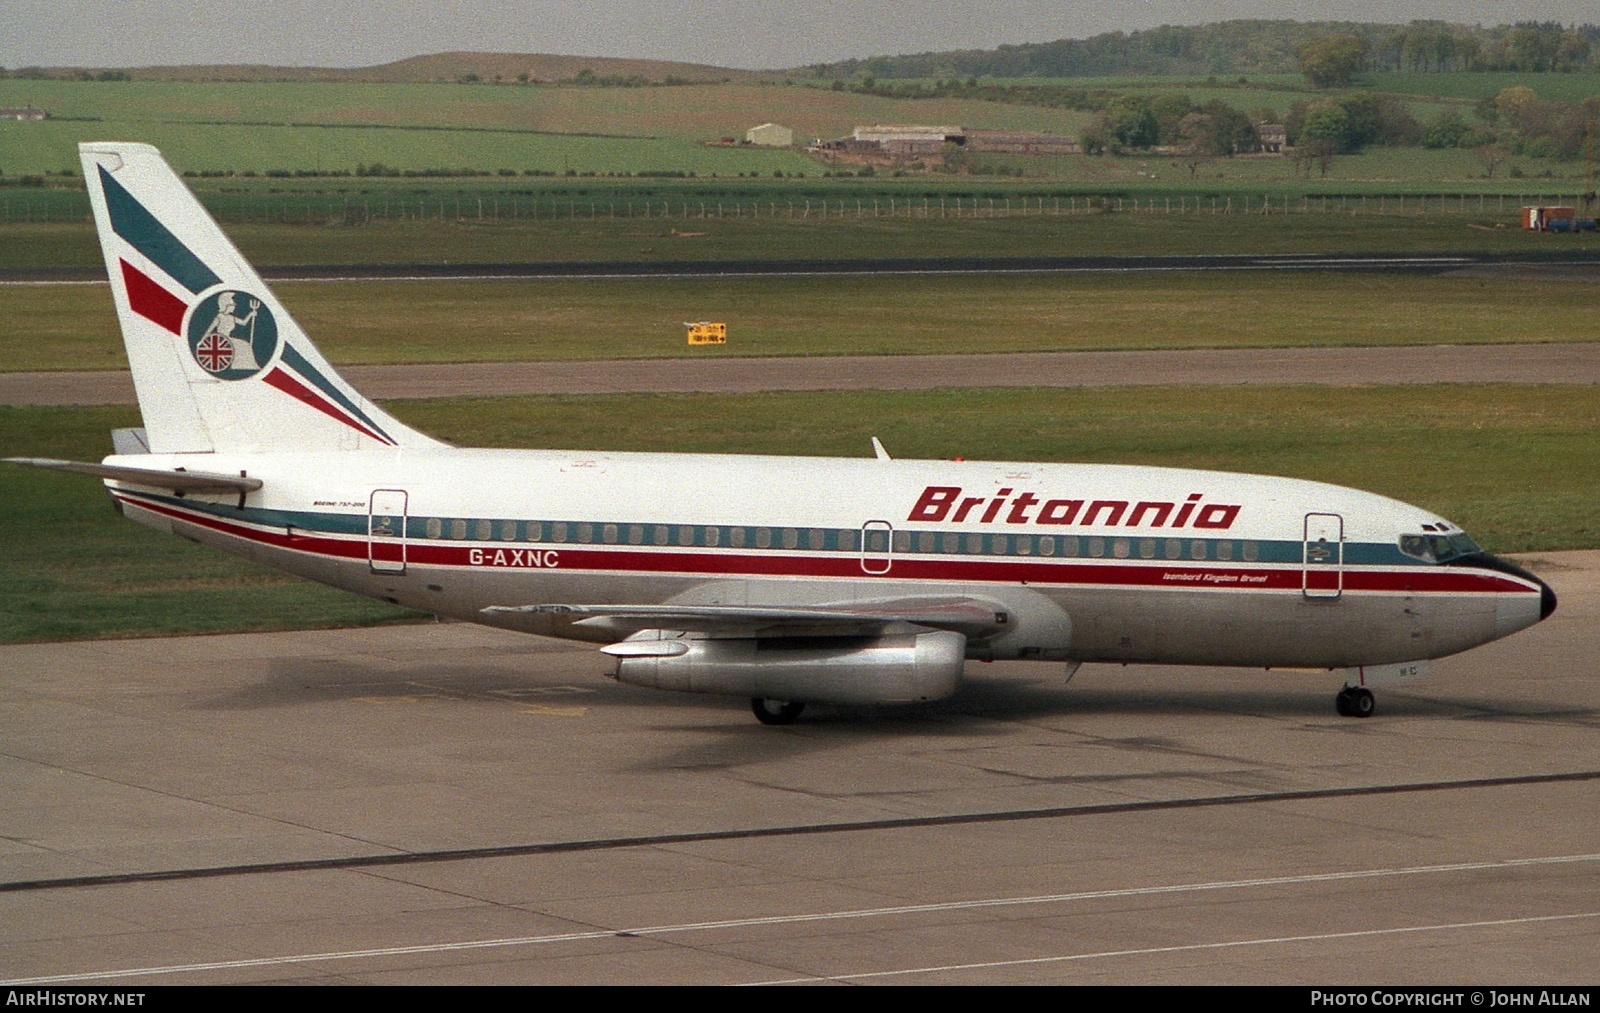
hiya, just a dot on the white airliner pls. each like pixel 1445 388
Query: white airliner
pixel 787 580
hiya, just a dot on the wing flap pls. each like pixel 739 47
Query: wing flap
pixel 176 479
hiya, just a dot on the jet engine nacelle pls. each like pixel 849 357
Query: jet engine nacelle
pixel 854 670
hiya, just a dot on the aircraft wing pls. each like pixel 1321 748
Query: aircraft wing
pixel 971 616
pixel 176 479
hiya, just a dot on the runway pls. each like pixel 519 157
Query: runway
pixel 446 804
pixel 1566 363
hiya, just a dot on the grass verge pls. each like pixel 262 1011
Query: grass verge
pixel 47 244
pixel 74 327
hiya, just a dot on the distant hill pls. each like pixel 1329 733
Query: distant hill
pixel 1247 47
pixel 446 67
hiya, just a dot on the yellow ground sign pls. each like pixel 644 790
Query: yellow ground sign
pixel 707 333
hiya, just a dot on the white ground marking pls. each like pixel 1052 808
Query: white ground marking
pixel 1189 947
pixel 885 912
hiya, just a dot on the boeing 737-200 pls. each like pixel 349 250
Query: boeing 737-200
pixel 787 580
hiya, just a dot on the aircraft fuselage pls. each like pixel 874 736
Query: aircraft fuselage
pixel 1084 562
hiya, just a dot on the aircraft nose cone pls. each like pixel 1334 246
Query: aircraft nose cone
pixel 1517 615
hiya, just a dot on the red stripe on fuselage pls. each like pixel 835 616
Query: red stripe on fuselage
pixel 579 557
pixel 276 377
pixel 151 301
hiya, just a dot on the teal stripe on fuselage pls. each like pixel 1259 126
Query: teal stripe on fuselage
pixel 139 227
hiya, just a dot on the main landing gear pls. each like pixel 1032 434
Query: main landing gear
pixel 775 712
pixel 1355 702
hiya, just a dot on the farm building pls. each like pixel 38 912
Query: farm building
pixel 930 140
pixel 1018 142
pixel 1274 138
pixel 769 135
pixel 906 140
pixel 23 113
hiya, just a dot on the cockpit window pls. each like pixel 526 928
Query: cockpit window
pixel 1438 548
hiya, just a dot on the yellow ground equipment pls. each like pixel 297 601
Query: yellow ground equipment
pixel 707 333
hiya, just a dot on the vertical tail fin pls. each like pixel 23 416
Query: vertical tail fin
pixel 218 364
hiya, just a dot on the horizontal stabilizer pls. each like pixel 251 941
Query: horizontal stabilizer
pixel 970 616
pixel 125 442
pixel 176 479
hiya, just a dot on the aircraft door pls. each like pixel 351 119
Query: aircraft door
pixel 1323 558
pixel 386 531
pixel 877 546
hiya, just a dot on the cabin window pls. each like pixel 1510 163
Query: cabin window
pixel 1174 548
pixel 535 531
pixel 877 540
pixel 902 541
pixel 1197 549
pixel 791 538
pixel 1252 551
pixel 925 540
pixel 508 531
pixel 847 540
pixel 1224 550
pixel 686 534
pixel 736 537
pixel 585 532
pixel 974 543
pixel 712 537
pixel 1069 545
pixel 458 528
pixel 1119 548
pixel 1024 545
pixel 659 533
pixel 763 538
pixel 1047 545
pixel 636 534
pixel 950 542
pixel 999 545
pixel 435 527
pixel 816 538
pixel 1097 547
pixel 558 531
pixel 485 529
pixel 1147 548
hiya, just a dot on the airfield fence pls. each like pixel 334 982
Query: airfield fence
pixel 19 205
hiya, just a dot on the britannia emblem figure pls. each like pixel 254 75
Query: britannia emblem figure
pixel 223 345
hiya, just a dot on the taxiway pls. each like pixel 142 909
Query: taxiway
pixel 449 804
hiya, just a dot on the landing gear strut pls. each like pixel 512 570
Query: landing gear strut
pixel 775 712
pixel 1355 702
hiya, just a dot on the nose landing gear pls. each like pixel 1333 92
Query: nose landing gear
pixel 1355 702
pixel 775 712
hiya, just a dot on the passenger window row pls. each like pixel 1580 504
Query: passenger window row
pixel 845 540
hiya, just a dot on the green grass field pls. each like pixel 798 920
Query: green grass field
pixel 69 568
pixel 28 245
pixel 1485 84
pixel 74 327
pixel 260 126
pixel 688 112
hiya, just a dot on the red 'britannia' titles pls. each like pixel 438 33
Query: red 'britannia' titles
pixel 939 503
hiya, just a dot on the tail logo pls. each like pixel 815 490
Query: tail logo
pixel 232 334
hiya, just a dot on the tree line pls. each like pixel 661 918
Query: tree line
pixel 1251 46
